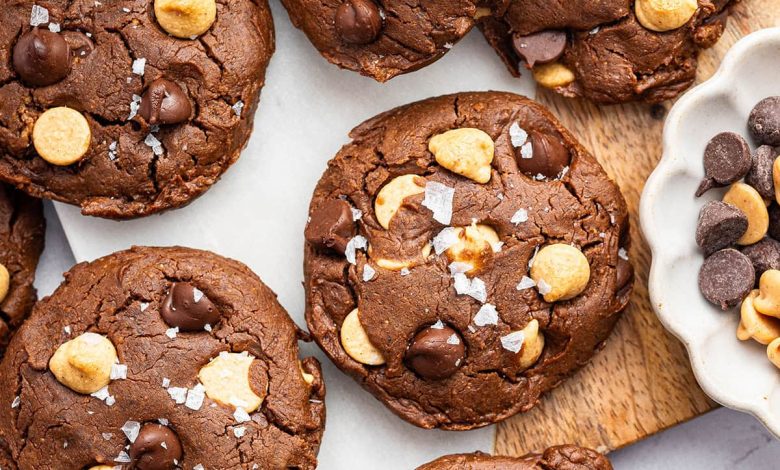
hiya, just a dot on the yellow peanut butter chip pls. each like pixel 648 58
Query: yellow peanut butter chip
pixel 561 272
pixel 185 18
pixel 553 75
pixel 226 380
pixel 466 151
pixel 5 282
pixel 83 364
pixel 391 197
pixel 62 136
pixel 355 341
pixel 664 15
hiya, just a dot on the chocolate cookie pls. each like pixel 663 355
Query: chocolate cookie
pixel 567 457
pixel 111 370
pixel 608 51
pixel 441 208
pixel 387 38
pixel 127 108
pixel 22 229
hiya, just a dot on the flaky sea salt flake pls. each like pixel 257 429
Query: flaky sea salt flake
pixel 368 273
pixel 131 430
pixel 525 283
pixel 195 397
pixel 405 271
pixel 358 242
pixel 459 267
pixel 518 135
pixel 16 402
pixel 474 288
pixel 118 371
pixel 123 458
pixel 623 254
pixel 513 341
pixel 357 214
pixel 139 66
pixel 135 104
pixel 239 431
pixel 39 15
pixel 527 151
pixel 445 239
pixel 156 145
pixel 543 287
pixel 519 217
pixel 172 332
pixel 238 108
pixel 438 198
pixel 179 394
pixel 54 27
pixel 240 415
pixel 487 315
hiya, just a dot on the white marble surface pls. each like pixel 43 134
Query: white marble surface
pixel 720 440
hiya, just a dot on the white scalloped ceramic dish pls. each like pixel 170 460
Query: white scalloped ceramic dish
pixel 734 373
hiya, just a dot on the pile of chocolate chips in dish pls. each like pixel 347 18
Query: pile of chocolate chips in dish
pixel 740 234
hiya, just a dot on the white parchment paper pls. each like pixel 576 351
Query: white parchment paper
pixel 257 213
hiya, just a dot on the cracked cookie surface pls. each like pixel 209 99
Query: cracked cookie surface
pixel 22 230
pixel 124 298
pixel 565 457
pixel 406 36
pixel 116 51
pixel 447 349
pixel 612 57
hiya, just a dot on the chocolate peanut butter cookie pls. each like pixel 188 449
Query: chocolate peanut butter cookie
pixel 160 358
pixel 609 51
pixel 464 255
pixel 382 39
pixel 567 457
pixel 128 107
pixel 22 229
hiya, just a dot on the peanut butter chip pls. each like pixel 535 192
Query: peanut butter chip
pixel 226 379
pixel 664 15
pixel 355 341
pixel 61 136
pixel 5 282
pixel 185 18
pixel 83 364
pixel 553 75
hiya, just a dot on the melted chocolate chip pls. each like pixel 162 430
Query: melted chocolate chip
pixel 41 57
pixel 764 121
pixel 435 353
pixel 157 447
pixel 726 160
pixel 720 225
pixel 625 275
pixel 540 48
pixel 164 102
pixel 188 308
pixel 358 21
pixel 549 158
pixel 331 226
pixel 726 277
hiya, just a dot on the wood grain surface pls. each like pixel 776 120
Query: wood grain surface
pixel 641 382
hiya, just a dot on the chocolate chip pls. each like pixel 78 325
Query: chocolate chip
pixel 764 121
pixel 164 102
pixel 726 277
pixel 625 275
pixel 726 160
pixel 436 352
pixel 188 308
pixel 720 225
pixel 549 156
pixel 540 48
pixel 331 226
pixel 156 447
pixel 760 174
pixel 764 255
pixel 41 57
pixel 358 21
pixel 774 221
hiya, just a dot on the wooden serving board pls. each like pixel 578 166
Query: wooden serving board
pixel 641 383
